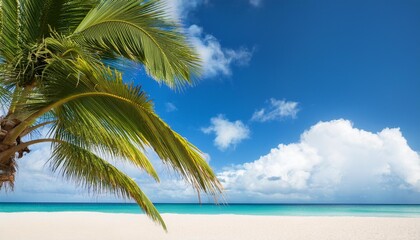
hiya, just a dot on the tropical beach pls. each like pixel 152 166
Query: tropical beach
pixel 51 221
pixel 106 226
pixel 209 120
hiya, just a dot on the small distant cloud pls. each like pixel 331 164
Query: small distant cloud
pixel 216 60
pixel 255 3
pixel 227 133
pixel 277 109
pixel 170 107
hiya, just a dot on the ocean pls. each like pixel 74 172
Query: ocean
pixel 368 210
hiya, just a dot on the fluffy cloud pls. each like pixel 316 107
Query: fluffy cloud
pixel 332 162
pixel 216 60
pixel 255 3
pixel 277 109
pixel 227 133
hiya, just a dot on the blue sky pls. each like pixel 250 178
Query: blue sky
pixel 300 101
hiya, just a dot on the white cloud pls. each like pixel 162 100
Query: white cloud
pixel 277 109
pixel 179 9
pixel 255 3
pixel 227 133
pixel 170 107
pixel 332 162
pixel 216 59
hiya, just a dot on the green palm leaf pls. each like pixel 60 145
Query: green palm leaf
pixel 9 30
pixel 33 24
pixel 1 20
pixel 117 108
pixel 97 175
pixel 38 18
pixel 72 13
pixel 140 31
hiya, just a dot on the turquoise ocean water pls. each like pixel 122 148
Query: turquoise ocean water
pixel 242 209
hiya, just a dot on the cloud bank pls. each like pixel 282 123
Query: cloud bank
pixel 332 162
pixel 228 134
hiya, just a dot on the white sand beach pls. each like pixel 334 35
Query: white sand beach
pixel 104 226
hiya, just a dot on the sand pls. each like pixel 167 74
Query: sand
pixel 104 226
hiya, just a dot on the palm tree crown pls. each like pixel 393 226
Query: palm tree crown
pixel 54 73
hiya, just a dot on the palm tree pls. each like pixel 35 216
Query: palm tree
pixel 57 71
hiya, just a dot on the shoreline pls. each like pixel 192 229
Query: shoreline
pixel 127 226
pixel 216 214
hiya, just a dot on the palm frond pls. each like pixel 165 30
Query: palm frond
pixel 51 15
pixel 10 29
pixel 103 139
pixel 1 20
pixel 4 91
pixel 71 15
pixel 40 18
pixel 97 175
pixel 140 31
pixel 31 14
pixel 95 96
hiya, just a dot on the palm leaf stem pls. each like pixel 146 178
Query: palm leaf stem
pixel 30 129
pixel 17 131
pixel 4 156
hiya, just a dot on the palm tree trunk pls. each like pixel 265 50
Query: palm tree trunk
pixel 7 173
pixel 8 162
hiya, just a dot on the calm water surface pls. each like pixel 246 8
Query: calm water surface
pixel 242 209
